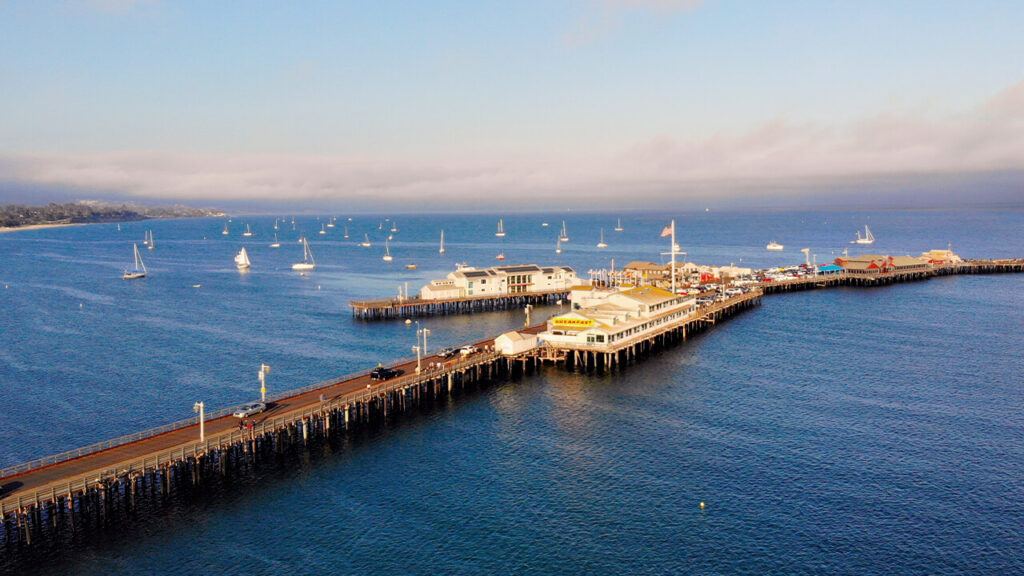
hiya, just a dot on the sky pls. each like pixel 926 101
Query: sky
pixel 513 105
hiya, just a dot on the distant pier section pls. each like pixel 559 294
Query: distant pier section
pixel 471 289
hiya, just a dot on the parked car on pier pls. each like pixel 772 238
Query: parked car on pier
pixel 467 350
pixel 382 373
pixel 447 352
pixel 250 409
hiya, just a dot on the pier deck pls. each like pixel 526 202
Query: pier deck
pixel 388 308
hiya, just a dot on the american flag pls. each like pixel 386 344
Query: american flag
pixel 666 232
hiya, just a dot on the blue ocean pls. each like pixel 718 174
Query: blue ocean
pixel 846 431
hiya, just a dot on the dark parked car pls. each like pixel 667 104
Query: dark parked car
pixel 447 352
pixel 382 373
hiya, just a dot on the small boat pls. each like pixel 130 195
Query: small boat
pixel 618 226
pixel 565 236
pixel 307 258
pixel 441 251
pixel 346 232
pixel 501 229
pixel 366 241
pixel 868 238
pixel 558 246
pixel 330 223
pixel 293 223
pixel 118 227
pixel 544 224
pixel 500 256
pixel 322 231
pixel 149 240
pixel 387 252
pixel 601 244
pixel 773 245
pixel 394 227
pixel 390 237
pixel 275 223
pixel 140 267
pixel 225 232
pixel 380 226
pixel 411 266
pixel 276 244
pixel 242 259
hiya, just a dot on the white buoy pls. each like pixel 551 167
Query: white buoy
pixel 701 505
pixel 407 321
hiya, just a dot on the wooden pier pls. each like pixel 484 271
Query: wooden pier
pixel 390 308
pixel 103 483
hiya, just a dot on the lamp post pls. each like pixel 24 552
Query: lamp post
pixel 416 349
pixel 264 370
pixel 527 310
pixel 199 407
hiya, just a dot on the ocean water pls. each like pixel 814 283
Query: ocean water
pixel 846 431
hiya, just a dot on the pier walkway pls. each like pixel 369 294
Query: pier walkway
pixel 388 308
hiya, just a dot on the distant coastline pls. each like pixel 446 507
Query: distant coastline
pixel 39 226
pixel 21 217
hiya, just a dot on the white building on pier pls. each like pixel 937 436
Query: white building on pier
pixel 601 317
pixel 501 281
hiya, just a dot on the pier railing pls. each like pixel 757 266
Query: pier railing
pixel 135 437
pixel 197 448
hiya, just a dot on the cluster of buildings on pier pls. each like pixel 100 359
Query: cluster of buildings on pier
pixel 501 281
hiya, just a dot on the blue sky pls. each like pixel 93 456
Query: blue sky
pixel 666 100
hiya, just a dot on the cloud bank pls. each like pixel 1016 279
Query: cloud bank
pixel 780 154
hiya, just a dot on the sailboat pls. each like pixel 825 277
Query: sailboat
pixel 868 238
pixel 501 229
pixel 618 226
pixel 565 236
pixel 225 232
pixel 322 231
pixel 149 241
pixel 773 245
pixel 119 227
pixel 307 258
pixel 330 223
pixel 346 232
pixel 601 244
pixel 558 246
pixel 276 244
pixel 242 259
pixel 275 223
pixel 366 241
pixel 500 256
pixel 394 227
pixel 140 267
pixel 387 252
pixel 441 251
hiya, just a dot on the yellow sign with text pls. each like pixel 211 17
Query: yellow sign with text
pixel 572 322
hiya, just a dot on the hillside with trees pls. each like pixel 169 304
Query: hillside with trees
pixel 15 215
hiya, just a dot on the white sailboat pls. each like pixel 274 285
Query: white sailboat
pixel 140 267
pixel 275 223
pixel 149 239
pixel 276 244
pixel 601 244
pixel 618 226
pixel 346 232
pixel 247 232
pixel 773 245
pixel 558 246
pixel 387 252
pixel 501 229
pixel 366 241
pixel 322 231
pixel 394 227
pixel 242 259
pixel 565 236
pixel 225 232
pixel 441 251
pixel 330 223
pixel 307 258
pixel 868 238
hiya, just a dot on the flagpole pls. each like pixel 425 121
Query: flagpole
pixel 673 250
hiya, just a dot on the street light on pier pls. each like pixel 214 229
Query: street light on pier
pixel 199 407
pixel 416 349
pixel 264 370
